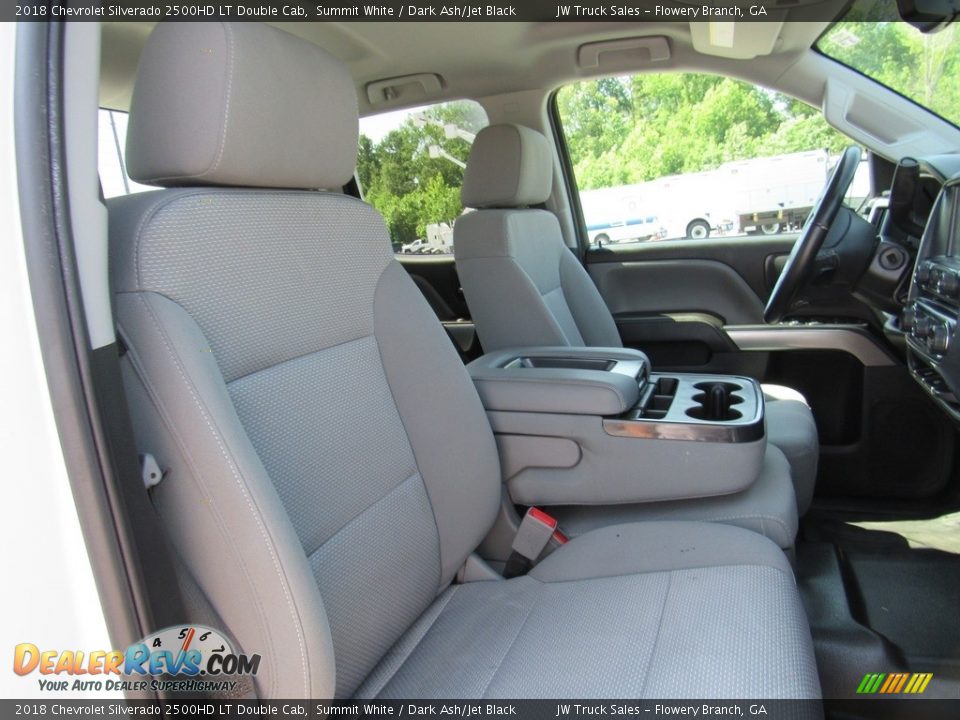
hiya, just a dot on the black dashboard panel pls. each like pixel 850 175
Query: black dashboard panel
pixel 931 317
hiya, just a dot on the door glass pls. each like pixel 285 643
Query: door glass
pixel 695 156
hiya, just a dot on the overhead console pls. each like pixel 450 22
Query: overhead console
pixel 595 426
pixel 932 314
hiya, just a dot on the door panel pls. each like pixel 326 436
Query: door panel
pixel 678 286
pixel 671 299
pixel 747 257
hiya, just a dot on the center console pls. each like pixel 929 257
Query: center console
pixel 596 426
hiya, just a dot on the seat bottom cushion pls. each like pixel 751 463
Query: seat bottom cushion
pixel 767 507
pixel 791 427
pixel 652 610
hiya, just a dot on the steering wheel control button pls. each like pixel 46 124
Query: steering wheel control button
pixel 908 319
pixel 939 341
pixel 923 328
pixel 948 284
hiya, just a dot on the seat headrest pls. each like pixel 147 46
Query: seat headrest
pixel 240 104
pixel 509 166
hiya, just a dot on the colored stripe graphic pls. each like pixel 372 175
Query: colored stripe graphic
pixel 894 683
pixel 901 682
pixel 870 683
pixel 922 682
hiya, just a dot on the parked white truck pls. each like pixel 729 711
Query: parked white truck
pixel 439 241
pixel 618 214
pixel 774 194
pixel 690 205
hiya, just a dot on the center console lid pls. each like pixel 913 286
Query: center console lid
pixel 576 381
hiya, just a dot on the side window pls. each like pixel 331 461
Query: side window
pixel 695 156
pixel 112 145
pixel 410 167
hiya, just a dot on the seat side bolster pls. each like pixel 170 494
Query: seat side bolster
pixel 589 311
pixel 218 504
pixel 506 307
pixel 444 420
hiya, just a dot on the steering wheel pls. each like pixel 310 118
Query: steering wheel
pixel 796 272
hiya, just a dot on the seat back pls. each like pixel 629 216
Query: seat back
pixel 522 283
pixel 328 464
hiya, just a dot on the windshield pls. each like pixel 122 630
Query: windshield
pixel 873 40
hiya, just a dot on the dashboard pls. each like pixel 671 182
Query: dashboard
pixel 925 202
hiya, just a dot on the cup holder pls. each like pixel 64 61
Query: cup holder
pixel 707 386
pixel 700 412
pixel 715 402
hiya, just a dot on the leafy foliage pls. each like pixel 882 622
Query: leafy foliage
pixel 410 188
pixel 622 131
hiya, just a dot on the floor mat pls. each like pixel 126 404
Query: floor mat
pixel 910 597
pixel 902 577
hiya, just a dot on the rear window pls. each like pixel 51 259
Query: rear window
pixel 410 167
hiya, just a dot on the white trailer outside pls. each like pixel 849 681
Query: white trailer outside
pixel 774 194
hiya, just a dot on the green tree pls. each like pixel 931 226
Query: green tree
pixel 924 68
pixel 630 130
pixel 410 188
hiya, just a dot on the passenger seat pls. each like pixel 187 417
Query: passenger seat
pixel 329 466
pixel 525 288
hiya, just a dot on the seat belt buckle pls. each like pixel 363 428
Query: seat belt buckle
pixel 537 530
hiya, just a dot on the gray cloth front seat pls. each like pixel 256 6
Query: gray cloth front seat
pixel 525 287
pixel 328 464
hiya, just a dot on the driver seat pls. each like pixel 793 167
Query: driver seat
pixel 525 287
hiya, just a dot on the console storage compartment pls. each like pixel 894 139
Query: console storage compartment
pixel 594 426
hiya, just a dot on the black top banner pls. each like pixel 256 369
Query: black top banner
pixel 609 11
